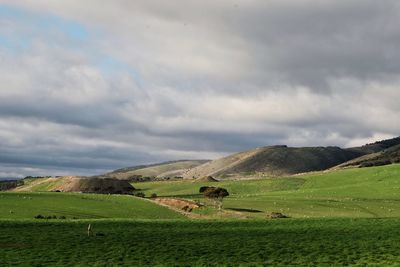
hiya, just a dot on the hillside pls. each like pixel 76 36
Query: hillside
pixel 377 146
pixel 165 170
pixel 355 193
pixel 361 204
pixel 388 156
pixel 273 161
pixel 282 160
pixel 76 184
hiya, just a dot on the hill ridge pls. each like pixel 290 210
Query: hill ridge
pixel 282 160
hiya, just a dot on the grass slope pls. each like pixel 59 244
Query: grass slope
pixel 366 192
pixel 27 205
pixel 334 242
pixel 76 184
pixel 274 161
pixel 166 169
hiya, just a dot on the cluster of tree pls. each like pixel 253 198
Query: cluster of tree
pixel 373 163
pixel 215 194
pixel 167 178
pixel 8 185
pixel 387 143
pixel 139 194
pixel 137 178
pixel 37 177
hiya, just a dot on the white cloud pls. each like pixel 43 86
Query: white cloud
pixel 158 81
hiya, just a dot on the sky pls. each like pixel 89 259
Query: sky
pixel 91 86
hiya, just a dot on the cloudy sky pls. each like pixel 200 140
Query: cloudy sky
pixel 90 86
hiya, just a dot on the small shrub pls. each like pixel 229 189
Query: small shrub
pixel 39 216
pixel 62 217
pixel 378 162
pixel 153 195
pixel 277 215
pixel 139 194
pixel 185 208
pixel 204 188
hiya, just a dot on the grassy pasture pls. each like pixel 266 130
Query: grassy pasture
pixel 133 232
pixel 289 242
pixel 24 205
pixel 355 193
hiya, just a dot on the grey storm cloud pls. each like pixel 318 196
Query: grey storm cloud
pixel 160 80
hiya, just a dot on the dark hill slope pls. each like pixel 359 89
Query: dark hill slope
pixel 377 146
pixel 385 157
pixel 97 185
pixel 275 161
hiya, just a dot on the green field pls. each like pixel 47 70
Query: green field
pixel 301 242
pixel 355 193
pixel 348 217
pixel 82 206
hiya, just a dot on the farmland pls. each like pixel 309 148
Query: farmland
pixel 345 217
pixel 80 206
pixel 353 193
pixel 326 242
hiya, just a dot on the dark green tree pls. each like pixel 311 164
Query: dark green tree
pixel 216 194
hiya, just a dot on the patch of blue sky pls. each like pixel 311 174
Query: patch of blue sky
pixel 14 45
pixel 5 42
pixel 41 23
pixel 111 65
pixel 72 30
pixel 33 25
pixel 8 11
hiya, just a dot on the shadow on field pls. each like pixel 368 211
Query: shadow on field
pixel 184 196
pixel 244 210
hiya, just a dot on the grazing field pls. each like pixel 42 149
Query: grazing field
pixel 352 217
pixel 82 206
pixel 301 242
pixel 359 192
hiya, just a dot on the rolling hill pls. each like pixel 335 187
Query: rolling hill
pixel 377 146
pixel 354 193
pixel 283 160
pixel 162 171
pixel 384 157
pixel 273 161
pixel 76 184
pixel 361 204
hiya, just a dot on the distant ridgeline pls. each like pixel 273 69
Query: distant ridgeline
pixel 282 160
pixel 378 146
pixel 268 161
pixel 278 160
pixel 170 170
